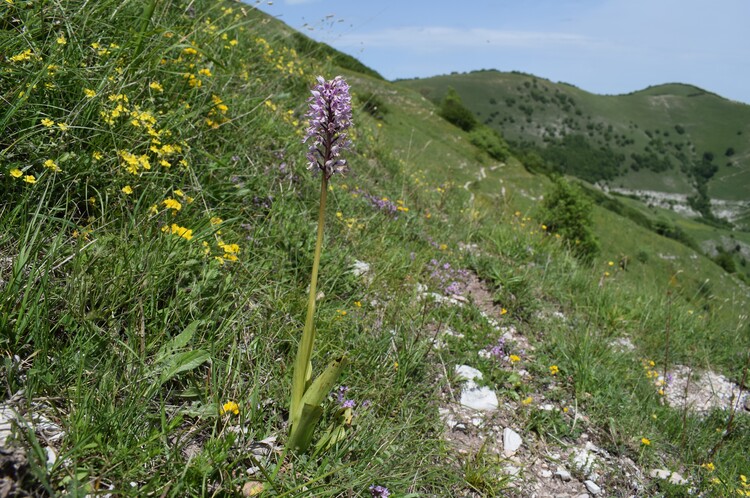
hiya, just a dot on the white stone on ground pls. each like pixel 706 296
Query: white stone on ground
pixel 465 372
pixel 676 478
pixel 511 442
pixel 360 268
pixel 478 398
pixel 659 474
pixel 592 487
pixel 706 390
pixel 584 461
pixel 563 474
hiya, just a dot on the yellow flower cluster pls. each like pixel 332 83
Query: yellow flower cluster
pixel 175 229
pixel 230 407
pixel 132 163
pixel 230 251
pixel 102 50
pixel 172 204
pixel 217 113
pixel 350 222
pixel 24 56
pixel 52 166
pixel 286 61
pixel 120 110
pixel 650 368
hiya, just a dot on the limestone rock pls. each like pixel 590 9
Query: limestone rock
pixel 592 487
pixel 478 398
pixel 563 474
pixel 511 442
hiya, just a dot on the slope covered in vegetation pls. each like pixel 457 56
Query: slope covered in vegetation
pixel 676 148
pixel 158 225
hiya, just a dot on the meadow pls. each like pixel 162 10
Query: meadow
pixel 157 237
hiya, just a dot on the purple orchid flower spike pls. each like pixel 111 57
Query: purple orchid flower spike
pixel 330 116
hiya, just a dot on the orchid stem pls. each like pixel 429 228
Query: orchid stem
pixel 302 369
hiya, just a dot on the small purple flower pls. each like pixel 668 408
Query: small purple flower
pixel 451 281
pixel 498 350
pixel 330 116
pixel 349 403
pixel 379 491
pixel 341 394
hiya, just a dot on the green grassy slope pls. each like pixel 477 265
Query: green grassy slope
pixel 525 108
pixel 158 224
pixel 668 127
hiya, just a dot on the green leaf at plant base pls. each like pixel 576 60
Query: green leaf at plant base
pixel 182 362
pixel 311 411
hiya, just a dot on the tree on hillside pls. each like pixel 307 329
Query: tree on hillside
pixel 452 110
pixel 566 211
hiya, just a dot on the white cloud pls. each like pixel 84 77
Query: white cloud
pixel 439 38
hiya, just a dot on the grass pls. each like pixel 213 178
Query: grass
pixel 161 272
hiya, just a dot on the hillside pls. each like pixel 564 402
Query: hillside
pixel 655 135
pixel 157 245
pixel 674 147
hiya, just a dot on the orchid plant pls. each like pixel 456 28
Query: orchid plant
pixel 330 113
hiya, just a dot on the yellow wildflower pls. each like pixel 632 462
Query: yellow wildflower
pixel 179 193
pixel 51 165
pixel 645 441
pixel 709 466
pixel 89 93
pixel 230 248
pixel 190 51
pixel 205 72
pixel 97 155
pixel 176 229
pixel 154 85
pixel 215 220
pixel 63 126
pixel 23 56
pixel 48 122
pixel 127 190
pixel 514 358
pixel 503 311
pixel 61 40
pixel 554 370
pixel 172 204
pixel 16 173
pixel 230 407
pixel 527 401
pixel 29 179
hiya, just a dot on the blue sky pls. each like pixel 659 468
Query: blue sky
pixel 603 46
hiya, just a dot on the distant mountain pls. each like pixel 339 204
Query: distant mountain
pixel 672 138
